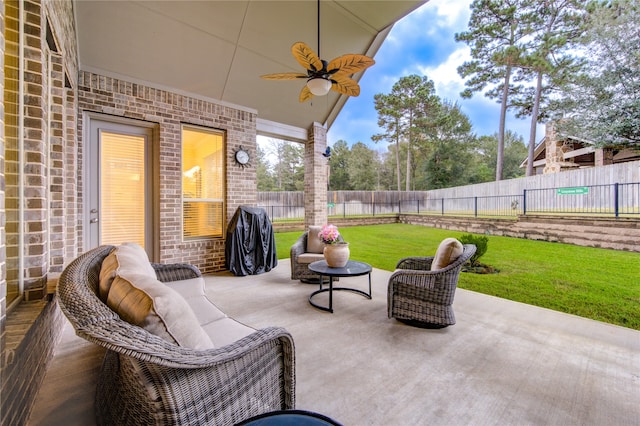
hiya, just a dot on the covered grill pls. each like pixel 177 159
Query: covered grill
pixel 250 247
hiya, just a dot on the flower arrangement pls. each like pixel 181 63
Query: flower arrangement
pixel 329 234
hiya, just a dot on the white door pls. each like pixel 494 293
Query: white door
pixel 118 203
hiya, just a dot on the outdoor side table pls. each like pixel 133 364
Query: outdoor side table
pixel 290 417
pixel 351 269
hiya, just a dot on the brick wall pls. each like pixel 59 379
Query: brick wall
pixel 34 165
pixel 34 328
pixel 3 215
pixel 31 330
pixel 107 95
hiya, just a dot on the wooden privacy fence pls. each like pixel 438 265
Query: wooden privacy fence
pixel 618 200
pixel 611 191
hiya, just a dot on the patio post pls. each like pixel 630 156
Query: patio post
pixel 315 177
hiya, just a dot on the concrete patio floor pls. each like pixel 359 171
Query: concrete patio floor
pixel 503 363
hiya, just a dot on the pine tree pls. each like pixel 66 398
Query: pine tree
pixel 362 167
pixel 602 104
pixel 549 60
pixel 338 163
pixel 498 30
pixel 411 101
pixel 451 147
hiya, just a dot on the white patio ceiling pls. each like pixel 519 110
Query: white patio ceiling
pixel 218 49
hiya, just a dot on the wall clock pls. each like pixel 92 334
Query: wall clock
pixel 242 157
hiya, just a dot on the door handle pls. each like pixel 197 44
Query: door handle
pixel 94 220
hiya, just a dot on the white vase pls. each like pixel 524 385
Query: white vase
pixel 336 255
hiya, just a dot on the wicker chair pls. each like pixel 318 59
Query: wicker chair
pixel 145 379
pixel 301 258
pixel 421 297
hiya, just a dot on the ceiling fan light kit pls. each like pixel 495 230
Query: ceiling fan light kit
pixel 319 86
pixel 322 76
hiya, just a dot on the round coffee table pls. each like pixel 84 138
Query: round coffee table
pixel 290 417
pixel 351 269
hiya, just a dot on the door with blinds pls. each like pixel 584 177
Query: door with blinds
pixel 119 203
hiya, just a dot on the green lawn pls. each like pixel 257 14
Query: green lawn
pixel 594 283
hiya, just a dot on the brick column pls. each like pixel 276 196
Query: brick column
pixel 553 150
pixel 57 140
pixel 603 157
pixel 3 214
pixel 35 167
pixel 315 177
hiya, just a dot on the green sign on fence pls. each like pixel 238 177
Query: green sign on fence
pixel 331 205
pixel 576 190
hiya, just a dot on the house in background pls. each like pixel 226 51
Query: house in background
pixel 122 120
pixel 556 153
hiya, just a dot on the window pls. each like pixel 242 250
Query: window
pixel 122 188
pixel 203 186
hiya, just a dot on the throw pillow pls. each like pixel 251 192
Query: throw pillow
pixel 126 258
pixel 314 244
pixel 448 251
pixel 150 304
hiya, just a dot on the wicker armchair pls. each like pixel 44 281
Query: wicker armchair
pixel 300 260
pixel 147 380
pixel 421 297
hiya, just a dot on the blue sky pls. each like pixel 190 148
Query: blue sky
pixel 422 43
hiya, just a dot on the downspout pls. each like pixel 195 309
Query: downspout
pixel 21 163
pixel 47 161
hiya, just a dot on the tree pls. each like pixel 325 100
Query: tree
pixel 362 167
pixel 549 60
pixel 387 173
pixel 338 164
pixel 389 119
pixel 451 148
pixel 497 31
pixel 288 170
pixel 602 104
pixel 264 176
pixel 400 113
pixel 514 153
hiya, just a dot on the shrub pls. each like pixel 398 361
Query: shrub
pixel 480 241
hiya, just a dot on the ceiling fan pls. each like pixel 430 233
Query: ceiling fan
pixel 321 75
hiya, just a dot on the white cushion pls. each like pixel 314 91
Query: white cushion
pixel 314 244
pixel 221 329
pixel 150 304
pixel 226 330
pixel 309 258
pixel 126 258
pixel 448 251
pixel 192 291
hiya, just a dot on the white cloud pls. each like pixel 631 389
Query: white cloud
pixel 445 76
pixel 431 18
pixel 453 11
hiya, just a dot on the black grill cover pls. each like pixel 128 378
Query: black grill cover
pixel 250 247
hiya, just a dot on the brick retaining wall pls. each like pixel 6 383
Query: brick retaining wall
pixel 32 330
pixel 617 234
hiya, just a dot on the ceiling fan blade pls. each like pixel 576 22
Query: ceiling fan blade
pixel 345 85
pixel 306 57
pixel 350 63
pixel 283 76
pixel 305 94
